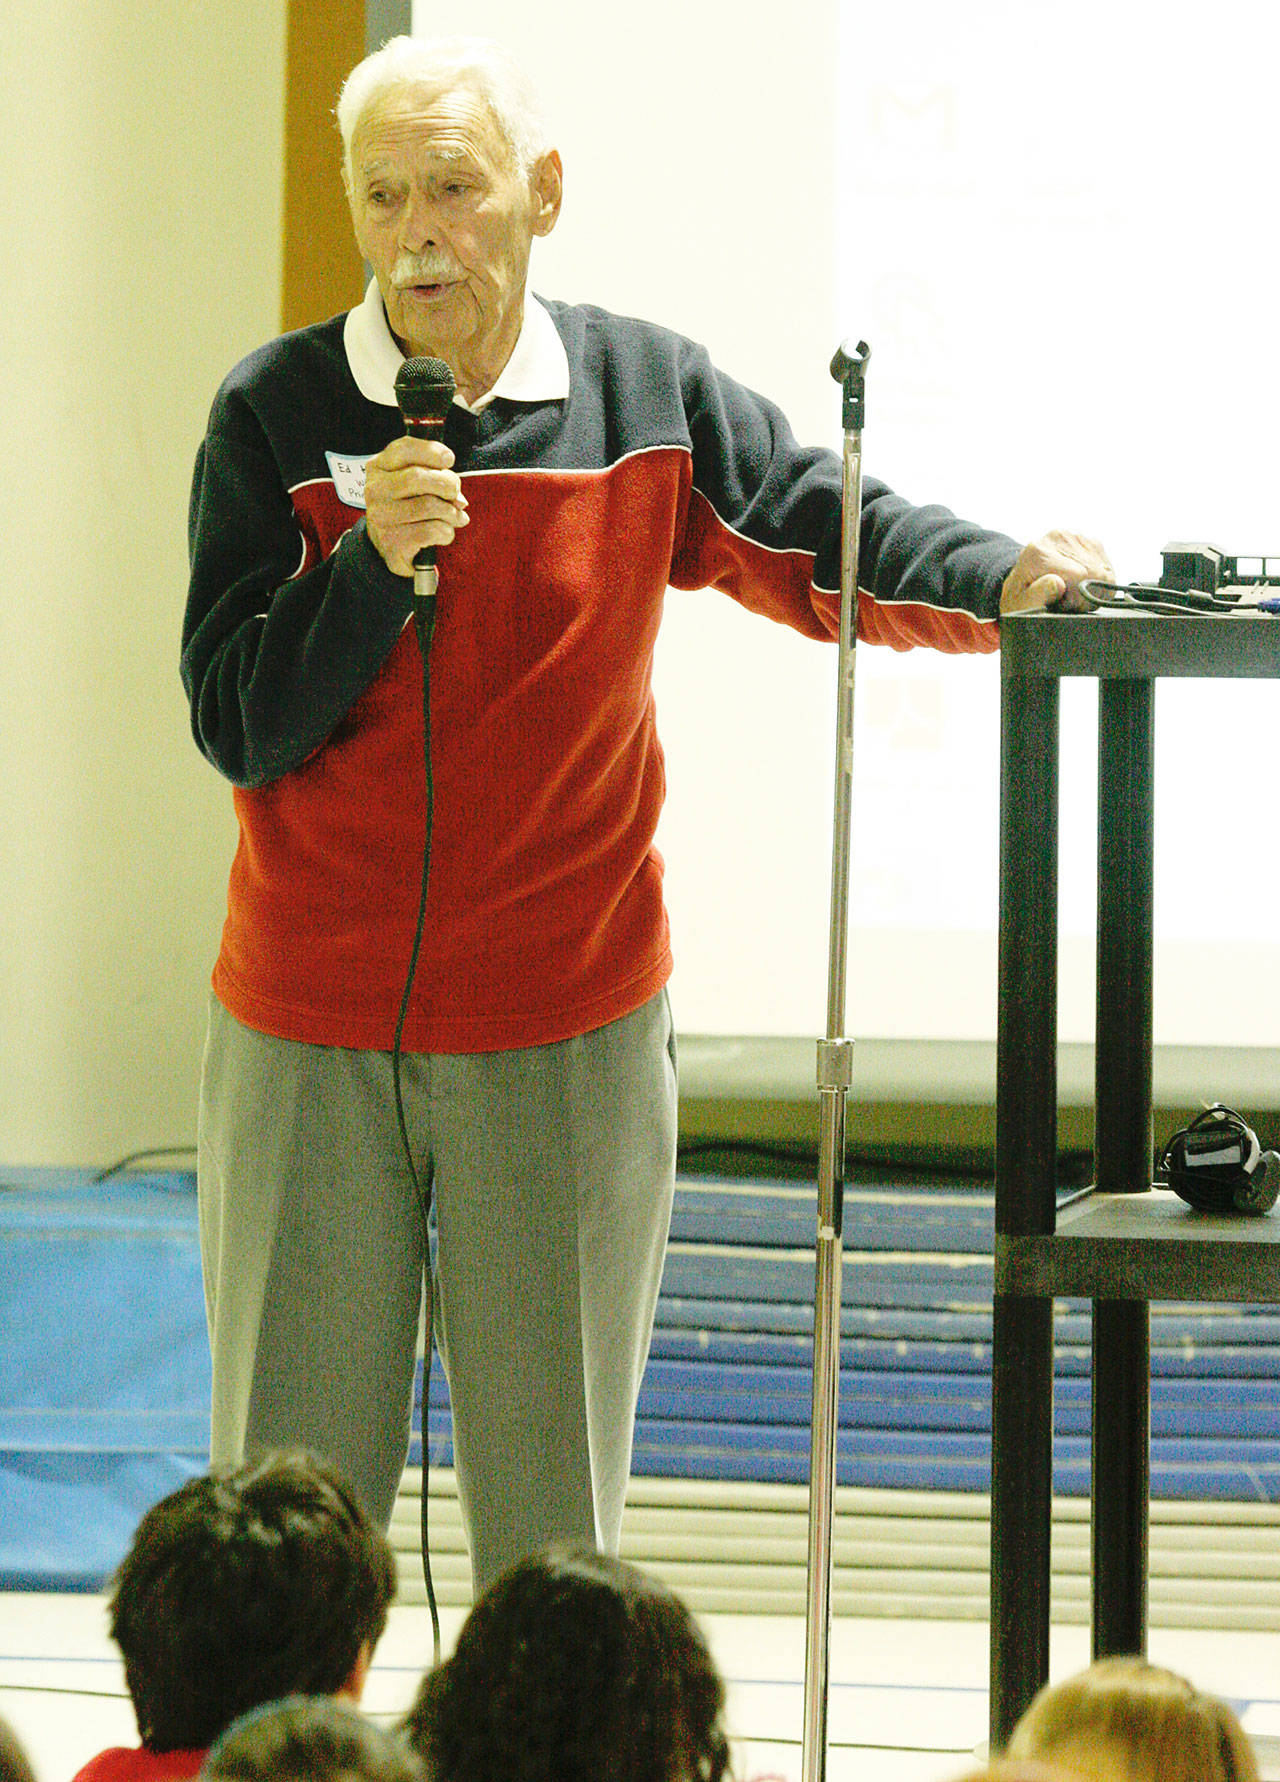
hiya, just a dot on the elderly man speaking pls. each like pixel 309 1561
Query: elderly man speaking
pixel 588 463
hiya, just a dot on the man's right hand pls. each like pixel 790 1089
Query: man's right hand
pixel 412 498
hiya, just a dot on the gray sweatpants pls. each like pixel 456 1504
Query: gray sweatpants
pixel 552 1170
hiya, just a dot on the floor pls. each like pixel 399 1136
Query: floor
pixel 908 1699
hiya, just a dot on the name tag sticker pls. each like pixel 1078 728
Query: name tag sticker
pixel 348 477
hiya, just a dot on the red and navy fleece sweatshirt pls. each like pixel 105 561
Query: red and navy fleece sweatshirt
pixel 545 916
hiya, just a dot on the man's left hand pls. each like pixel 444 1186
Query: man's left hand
pixel 1050 571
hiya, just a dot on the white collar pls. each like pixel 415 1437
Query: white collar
pixel 537 371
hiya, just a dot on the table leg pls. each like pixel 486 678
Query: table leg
pixel 1021 1506
pixel 1121 1328
pixel 1026 1175
pixel 1126 839
pixel 1121 1475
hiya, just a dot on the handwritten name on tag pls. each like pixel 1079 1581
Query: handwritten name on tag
pixel 348 477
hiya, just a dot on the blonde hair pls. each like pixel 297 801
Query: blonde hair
pixel 1012 1769
pixel 448 61
pixel 1124 1720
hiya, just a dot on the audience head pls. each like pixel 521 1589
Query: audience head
pixel 1018 1770
pixel 308 1739
pixel 1012 1769
pixel 246 1585
pixel 14 1764
pixel 574 1667
pixel 1124 1720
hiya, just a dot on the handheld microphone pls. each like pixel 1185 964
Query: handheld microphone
pixel 425 390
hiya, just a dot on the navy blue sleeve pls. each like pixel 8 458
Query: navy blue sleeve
pixel 767 490
pixel 273 654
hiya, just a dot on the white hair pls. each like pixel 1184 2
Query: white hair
pixel 444 62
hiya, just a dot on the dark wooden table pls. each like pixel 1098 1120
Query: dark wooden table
pixel 1120 1243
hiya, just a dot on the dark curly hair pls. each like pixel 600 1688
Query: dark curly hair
pixel 574 1667
pixel 243 1586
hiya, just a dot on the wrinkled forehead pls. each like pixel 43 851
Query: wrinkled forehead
pixel 446 118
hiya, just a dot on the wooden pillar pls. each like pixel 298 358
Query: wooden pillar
pixel 322 272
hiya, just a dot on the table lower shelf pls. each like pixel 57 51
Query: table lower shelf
pixel 1143 1246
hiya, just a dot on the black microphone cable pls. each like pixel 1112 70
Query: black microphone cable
pixel 424 391
pixel 424 619
pixel 1149 597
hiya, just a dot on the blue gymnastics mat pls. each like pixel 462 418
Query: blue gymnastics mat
pixel 105 1366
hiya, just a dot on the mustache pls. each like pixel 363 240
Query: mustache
pixel 422 269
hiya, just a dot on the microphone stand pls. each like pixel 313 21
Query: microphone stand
pixel 835 1076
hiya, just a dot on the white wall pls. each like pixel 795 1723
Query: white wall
pixel 701 190
pixel 710 185
pixel 1057 235
pixel 1074 229
pixel 141 192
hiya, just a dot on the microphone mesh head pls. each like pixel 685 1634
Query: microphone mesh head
pixel 424 389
